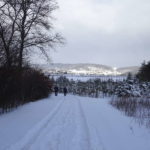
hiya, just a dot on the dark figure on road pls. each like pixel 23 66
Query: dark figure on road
pixel 56 90
pixel 65 91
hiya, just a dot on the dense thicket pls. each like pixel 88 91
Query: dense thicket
pixel 17 88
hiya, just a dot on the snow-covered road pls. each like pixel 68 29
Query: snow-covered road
pixel 64 128
pixel 79 123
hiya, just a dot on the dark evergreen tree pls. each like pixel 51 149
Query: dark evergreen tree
pixel 144 72
pixel 129 76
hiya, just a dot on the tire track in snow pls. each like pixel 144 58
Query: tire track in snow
pixel 69 132
pixel 57 133
pixel 82 134
pixel 65 128
pixel 66 131
pixel 95 139
pixel 30 137
pixel 62 130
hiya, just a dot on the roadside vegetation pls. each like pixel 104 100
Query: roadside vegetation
pixel 25 27
pixel 20 87
pixel 133 97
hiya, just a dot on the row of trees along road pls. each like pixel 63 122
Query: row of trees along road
pixel 25 25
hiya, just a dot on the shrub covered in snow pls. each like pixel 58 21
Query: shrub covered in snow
pixel 128 89
pixel 133 98
pixel 133 88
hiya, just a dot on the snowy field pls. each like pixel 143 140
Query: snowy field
pixel 71 123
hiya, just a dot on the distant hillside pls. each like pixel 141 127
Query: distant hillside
pixel 126 70
pixel 87 69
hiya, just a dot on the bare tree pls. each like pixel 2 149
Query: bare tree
pixel 25 24
pixel 8 28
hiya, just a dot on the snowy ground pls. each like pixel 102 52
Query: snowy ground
pixel 71 123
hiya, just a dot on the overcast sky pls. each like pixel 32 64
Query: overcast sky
pixel 109 32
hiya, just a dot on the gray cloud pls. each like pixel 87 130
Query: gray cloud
pixel 110 32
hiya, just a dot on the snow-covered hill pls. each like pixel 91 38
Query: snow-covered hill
pixel 87 69
pixel 126 70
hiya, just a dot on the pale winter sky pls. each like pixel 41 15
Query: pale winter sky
pixel 109 32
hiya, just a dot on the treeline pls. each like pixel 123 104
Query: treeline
pixel 131 87
pixel 92 87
